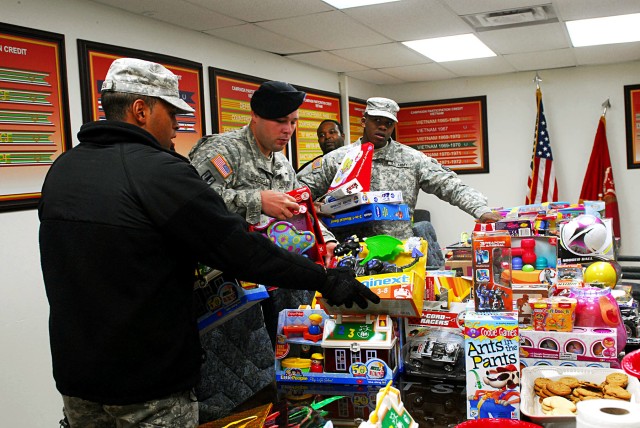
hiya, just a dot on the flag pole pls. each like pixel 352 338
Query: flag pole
pixel 537 80
pixel 605 106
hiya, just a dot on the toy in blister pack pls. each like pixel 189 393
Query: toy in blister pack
pixel 492 271
pixel 299 234
pixel 435 352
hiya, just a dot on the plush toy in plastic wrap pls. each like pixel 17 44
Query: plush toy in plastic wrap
pixel 435 352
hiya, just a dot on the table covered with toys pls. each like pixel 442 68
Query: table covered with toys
pixel 529 323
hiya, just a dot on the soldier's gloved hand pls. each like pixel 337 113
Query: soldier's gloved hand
pixel 343 288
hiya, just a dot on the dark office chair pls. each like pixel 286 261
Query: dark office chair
pixel 423 228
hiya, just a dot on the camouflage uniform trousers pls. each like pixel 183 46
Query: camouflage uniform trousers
pixel 177 410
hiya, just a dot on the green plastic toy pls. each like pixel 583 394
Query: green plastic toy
pixel 382 247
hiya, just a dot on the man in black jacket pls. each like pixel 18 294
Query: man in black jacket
pixel 124 220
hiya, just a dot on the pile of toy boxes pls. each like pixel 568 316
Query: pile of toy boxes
pixel 218 297
pixel 350 346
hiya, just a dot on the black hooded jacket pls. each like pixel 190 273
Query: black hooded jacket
pixel 123 223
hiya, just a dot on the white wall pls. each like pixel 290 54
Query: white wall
pixel 572 100
pixel 572 104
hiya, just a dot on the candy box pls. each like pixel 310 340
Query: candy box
pixel 492 365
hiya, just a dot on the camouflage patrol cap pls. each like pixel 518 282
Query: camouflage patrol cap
pixel 273 100
pixel 136 76
pixel 382 107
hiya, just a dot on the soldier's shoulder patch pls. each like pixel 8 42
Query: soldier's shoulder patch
pixel 317 163
pixel 221 164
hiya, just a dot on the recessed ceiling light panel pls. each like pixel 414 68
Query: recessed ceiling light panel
pixel 605 31
pixel 452 48
pixel 345 4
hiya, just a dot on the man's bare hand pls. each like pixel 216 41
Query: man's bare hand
pixel 278 205
pixel 489 217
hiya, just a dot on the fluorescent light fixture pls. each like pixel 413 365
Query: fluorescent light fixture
pixel 345 4
pixel 605 31
pixel 452 48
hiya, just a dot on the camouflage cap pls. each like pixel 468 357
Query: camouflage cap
pixel 273 100
pixel 382 107
pixel 136 76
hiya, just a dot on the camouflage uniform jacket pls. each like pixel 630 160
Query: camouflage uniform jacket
pixel 243 172
pixel 239 354
pixel 398 167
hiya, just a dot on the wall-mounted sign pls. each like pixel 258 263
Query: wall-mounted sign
pixel 95 59
pixel 34 112
pixel 452 131
pixel 356 112
pixel 632 115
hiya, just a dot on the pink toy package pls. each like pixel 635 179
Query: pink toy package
pixel 299 234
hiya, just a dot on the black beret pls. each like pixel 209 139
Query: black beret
pixel 273 100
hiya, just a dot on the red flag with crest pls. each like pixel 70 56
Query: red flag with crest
pixel 598 180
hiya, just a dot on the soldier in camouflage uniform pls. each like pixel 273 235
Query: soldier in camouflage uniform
pixel 246 167
pixel 396 167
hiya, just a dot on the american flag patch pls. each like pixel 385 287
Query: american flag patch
pixel 222 166
pixel 316 163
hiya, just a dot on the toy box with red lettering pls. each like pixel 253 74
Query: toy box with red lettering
pixel 362 350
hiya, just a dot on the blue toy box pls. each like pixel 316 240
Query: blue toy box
pixel 218 298
pixel 370 212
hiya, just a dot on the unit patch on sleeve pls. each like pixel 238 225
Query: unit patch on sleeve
pixel 222 166
pixel 317 163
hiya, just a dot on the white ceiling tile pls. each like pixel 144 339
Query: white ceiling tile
pixel 327 61
pixel 606 54
pixel 258 38
pixel 530 38
pixel 328 30
pixel 264 10
pixel 410 20
pixel 479 66
pixel 177 12
pixel 541 60
pixel 420 73
pixel 374 76
pixel 381 56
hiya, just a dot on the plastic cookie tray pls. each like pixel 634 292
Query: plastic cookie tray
pixel 530 405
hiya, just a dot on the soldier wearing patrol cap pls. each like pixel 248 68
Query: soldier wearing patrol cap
pixel 124 222
pixel 247 168
pixel 396 167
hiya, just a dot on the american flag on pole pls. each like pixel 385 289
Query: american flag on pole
pixel 542 181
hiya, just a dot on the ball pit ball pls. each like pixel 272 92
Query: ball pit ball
pixel 602 272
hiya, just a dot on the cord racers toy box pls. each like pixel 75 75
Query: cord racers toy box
pixel 493 365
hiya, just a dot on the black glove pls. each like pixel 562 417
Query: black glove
pixel 342 287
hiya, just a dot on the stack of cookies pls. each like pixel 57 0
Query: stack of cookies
pixel 572 390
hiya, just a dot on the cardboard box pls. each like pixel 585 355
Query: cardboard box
pixel 371 212
pixel 531 362
pixel 401 295
pixel 491 349
pixel 218 298
pixel 519 227
pixel 491 271
pixel 354 173
pixel 545 250
pixel 362 198
pixel 362 350
pixel 587 344
pixel 567 256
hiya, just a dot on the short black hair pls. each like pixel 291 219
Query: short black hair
pixel 115 104
pixel 334 121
